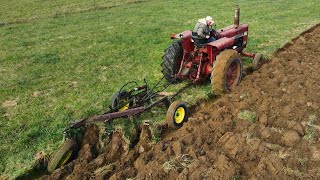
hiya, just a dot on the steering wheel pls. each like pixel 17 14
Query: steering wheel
pixel 214 34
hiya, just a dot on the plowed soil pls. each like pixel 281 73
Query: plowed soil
pixel 267 128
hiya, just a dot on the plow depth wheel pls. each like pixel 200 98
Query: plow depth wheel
pixel 177 114
pixel 66 152
pixel 227 72
pixel 117 99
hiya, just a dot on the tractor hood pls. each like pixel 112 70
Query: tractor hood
pixel 222 43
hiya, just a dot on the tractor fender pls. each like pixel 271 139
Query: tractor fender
pixel 183 35
pixel 222 43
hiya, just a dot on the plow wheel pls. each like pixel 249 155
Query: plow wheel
pixel 257 61
pixel 171 61
pixel 227 72
pixel 177 114
pixel 119 98
pixel 66 152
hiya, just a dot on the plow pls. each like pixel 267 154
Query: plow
pixel 186 58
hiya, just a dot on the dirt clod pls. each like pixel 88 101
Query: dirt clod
pixel 290 138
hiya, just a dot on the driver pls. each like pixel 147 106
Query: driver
pixel 203 28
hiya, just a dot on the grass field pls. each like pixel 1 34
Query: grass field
pixel 19 11
pixel 63 61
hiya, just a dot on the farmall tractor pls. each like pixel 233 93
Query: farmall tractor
pixel 191 58
pixel 186 58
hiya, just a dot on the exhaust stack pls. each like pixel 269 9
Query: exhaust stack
pixel 237 16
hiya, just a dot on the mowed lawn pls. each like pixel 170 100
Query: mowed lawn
pixel 59 67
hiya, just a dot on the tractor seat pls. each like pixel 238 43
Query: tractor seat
pixel 198 41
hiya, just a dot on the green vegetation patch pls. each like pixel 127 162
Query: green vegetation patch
pixel 310 132
pixel 247 115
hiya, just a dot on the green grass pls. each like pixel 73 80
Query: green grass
pixel 247 116
pixel 18 11
pixel 310 130
pixel 63 61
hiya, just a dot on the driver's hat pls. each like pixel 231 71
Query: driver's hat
pixel 209 18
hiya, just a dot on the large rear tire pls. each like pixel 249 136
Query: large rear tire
pixel 66 152
pixel 227 72
pixel 171 61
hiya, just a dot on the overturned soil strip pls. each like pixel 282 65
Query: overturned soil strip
pixel 269 127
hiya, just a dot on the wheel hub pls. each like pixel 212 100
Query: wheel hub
pixel 65 160
pixel 232 75
pixel 179 115
pixel 125 107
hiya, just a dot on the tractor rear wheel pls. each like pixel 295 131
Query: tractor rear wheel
pixel 66 152
pixel 227 72
pixel 171 61
pixel 177 114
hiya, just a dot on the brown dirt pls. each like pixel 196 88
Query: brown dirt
pixel 268 128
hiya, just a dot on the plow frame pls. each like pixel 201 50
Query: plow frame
pixel 143 92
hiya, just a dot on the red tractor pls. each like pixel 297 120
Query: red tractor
pixel 188 58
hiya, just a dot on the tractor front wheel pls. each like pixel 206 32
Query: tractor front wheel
pixel 171 61
pixel 257 61
pixel 227 72
pixel 66 152
pixel 177 114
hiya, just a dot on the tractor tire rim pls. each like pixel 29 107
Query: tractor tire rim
pixel 179 115
pixel 66 159
pixel 125 107
pixel 260 63
pixel 232 75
